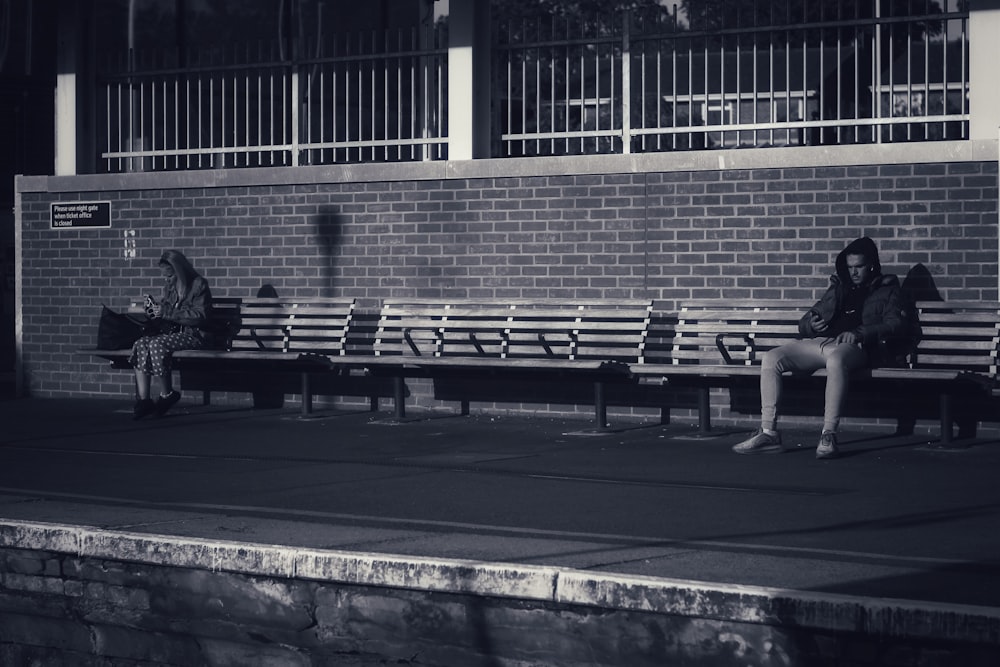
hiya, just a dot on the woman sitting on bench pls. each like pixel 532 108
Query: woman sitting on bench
pixel 177 317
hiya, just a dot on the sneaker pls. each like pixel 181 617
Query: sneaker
pixel 164 403
pixel 142 408
pixel 827 448
pixel 760 443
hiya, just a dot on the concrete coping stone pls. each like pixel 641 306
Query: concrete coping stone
pixel 573 165
pixel 561 586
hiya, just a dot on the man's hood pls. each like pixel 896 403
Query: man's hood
pixel 862 246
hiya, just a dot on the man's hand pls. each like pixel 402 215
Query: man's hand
pixel 848 337
pixel 817 324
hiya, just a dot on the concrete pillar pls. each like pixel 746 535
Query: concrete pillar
pixel 75 132
pixel 469 80
pixel 984 54
pixel 67 62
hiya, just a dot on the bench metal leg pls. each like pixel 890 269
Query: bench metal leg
pixel 373 403
pixel 206 397
pixel 664 415
pixel 464 408
pixel 307 398
pixel 600 405
pixel 704 411
pixel 399 397
pixel 946 419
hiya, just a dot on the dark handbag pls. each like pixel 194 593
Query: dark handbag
pixel 117 331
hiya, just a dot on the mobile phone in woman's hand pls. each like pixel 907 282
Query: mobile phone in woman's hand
pixel 152 308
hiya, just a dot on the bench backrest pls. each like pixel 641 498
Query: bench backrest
pixel 294 325
pixel 603 329
pixel 963 335
pixel 957 335
pixel 737 331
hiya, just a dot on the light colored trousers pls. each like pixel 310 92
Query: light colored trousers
pixel 808 356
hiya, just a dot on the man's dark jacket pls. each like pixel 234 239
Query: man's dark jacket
pixel 888 329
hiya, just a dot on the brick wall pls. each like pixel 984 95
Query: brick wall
pixel 759 232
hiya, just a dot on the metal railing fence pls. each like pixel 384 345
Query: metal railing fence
pixel 626 82
pixel 361 98
pixel 646 81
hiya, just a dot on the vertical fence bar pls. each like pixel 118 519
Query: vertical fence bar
pixel 385 69
pixel 439 68
pixel 583 99
pixel 722 88
pixel 673 91
pixel 400 66
pixel 771 64
pixel 857 80
pixel 877 75
pixel 788 80
pixel 246 115
pixel 566 104
pixel 294 102
pixel 754 83
pixel 118 114
pixel 236 116
pixel 840 91
pixel 177 121
pixel 142 125
pixel 153 125
pixel 626 77
pixel 271 157
pixel 538 87
pixel 965 74
pixel 738 88
pixel 552 55
pixel 909 87
pixel 524 90
pixel 805 85
pixel 222 122
pixel 373 76
pixel 597 90
pixel 927 76
pixel 414 65
pixel 263 111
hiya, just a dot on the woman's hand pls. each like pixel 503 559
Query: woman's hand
pixel 818 324
pixel 151 307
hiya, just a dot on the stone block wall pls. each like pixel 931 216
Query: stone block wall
pixel 615 229
pixel 84 597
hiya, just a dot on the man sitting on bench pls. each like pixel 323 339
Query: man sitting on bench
pixel 846 330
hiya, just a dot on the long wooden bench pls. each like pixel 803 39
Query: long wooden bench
pixel 594 340
pixel 265 335
pixel 717 342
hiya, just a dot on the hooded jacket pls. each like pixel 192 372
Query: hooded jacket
pixel 886 330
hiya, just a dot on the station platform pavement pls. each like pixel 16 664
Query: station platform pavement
pixel 895 520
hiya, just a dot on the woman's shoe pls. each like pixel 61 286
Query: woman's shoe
pixel 142 408
pixel 164 403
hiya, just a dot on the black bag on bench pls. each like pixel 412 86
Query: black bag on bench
pixel 118 331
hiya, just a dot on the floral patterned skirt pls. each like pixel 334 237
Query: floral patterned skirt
pixel 152 354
